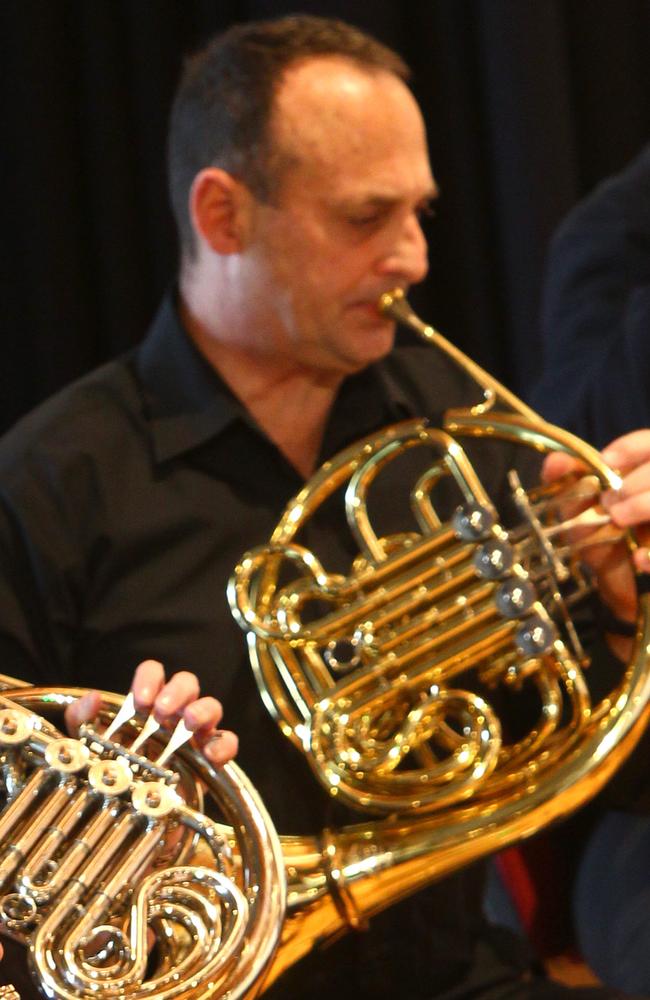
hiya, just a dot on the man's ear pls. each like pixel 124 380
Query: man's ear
pixel 220 209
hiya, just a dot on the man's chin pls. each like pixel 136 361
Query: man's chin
pixel 372 343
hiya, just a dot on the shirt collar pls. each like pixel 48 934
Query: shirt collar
pixel 188 403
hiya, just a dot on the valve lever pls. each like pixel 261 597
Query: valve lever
pixel 180 736
pixel 589 518
pixel 150 727
pixel 126 712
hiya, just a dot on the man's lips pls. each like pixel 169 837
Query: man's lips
pixel 370 304
pixel 370 308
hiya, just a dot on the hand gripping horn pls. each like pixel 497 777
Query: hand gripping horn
pixel 111 873
pixel 391 674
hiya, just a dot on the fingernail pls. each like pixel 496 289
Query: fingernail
pixel 609 456
pixel 642 560
pixel 144 696
pixel 212 749
pixel 609 498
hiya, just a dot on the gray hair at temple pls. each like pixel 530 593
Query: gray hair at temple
pixel 222 110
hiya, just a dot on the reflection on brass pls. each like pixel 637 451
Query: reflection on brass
pixel 103 844
pixel 9 993
pixel 389 674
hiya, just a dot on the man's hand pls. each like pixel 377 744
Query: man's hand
pixel 169 701
pixel 628 507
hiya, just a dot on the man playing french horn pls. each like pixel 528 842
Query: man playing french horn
pixel 298 174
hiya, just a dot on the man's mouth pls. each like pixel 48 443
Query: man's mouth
pixel 370 307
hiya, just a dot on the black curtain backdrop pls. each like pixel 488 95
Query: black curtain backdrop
pixel 528 104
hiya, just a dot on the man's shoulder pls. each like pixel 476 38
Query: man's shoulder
pixel 618 205
pixel 92 414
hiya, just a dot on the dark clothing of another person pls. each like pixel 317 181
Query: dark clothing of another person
pixel 596 312
pixel 126 502
pixel 596 330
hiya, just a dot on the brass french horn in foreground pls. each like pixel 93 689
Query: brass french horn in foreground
pixel 389 675
pixel 111 874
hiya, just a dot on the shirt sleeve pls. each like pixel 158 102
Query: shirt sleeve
pixel 596 311
pixel 39 580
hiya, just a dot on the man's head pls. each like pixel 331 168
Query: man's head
pixel 287 264
pixel 223 107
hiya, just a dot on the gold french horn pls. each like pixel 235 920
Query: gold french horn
pixel 104 841
pixel 390 676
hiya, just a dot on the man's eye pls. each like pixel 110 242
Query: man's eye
pixel 367 219
pixel 426 211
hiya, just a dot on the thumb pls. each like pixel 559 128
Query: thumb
pixel 83 710
pixel 558 464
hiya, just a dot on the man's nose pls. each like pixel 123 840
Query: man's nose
pixel 407 260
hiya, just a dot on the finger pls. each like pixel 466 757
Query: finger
pixel 148 680
pixel 636 481
pixel 558 464
pixel 83 710
pixel 629 511
pixel 204 714
pixel 221 747
pixel 178 692
pixel 642 559
pixel 628 451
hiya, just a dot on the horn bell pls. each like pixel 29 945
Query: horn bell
pixel 111 873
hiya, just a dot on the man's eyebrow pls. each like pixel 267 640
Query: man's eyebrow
pixel 379 200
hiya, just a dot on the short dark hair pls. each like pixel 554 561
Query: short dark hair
pixel 222 109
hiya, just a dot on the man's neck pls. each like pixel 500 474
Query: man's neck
pixel 291 404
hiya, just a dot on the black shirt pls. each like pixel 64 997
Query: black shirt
pixel 126 501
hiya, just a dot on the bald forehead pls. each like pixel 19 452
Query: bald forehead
pixel 332 78
pixel 327 102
